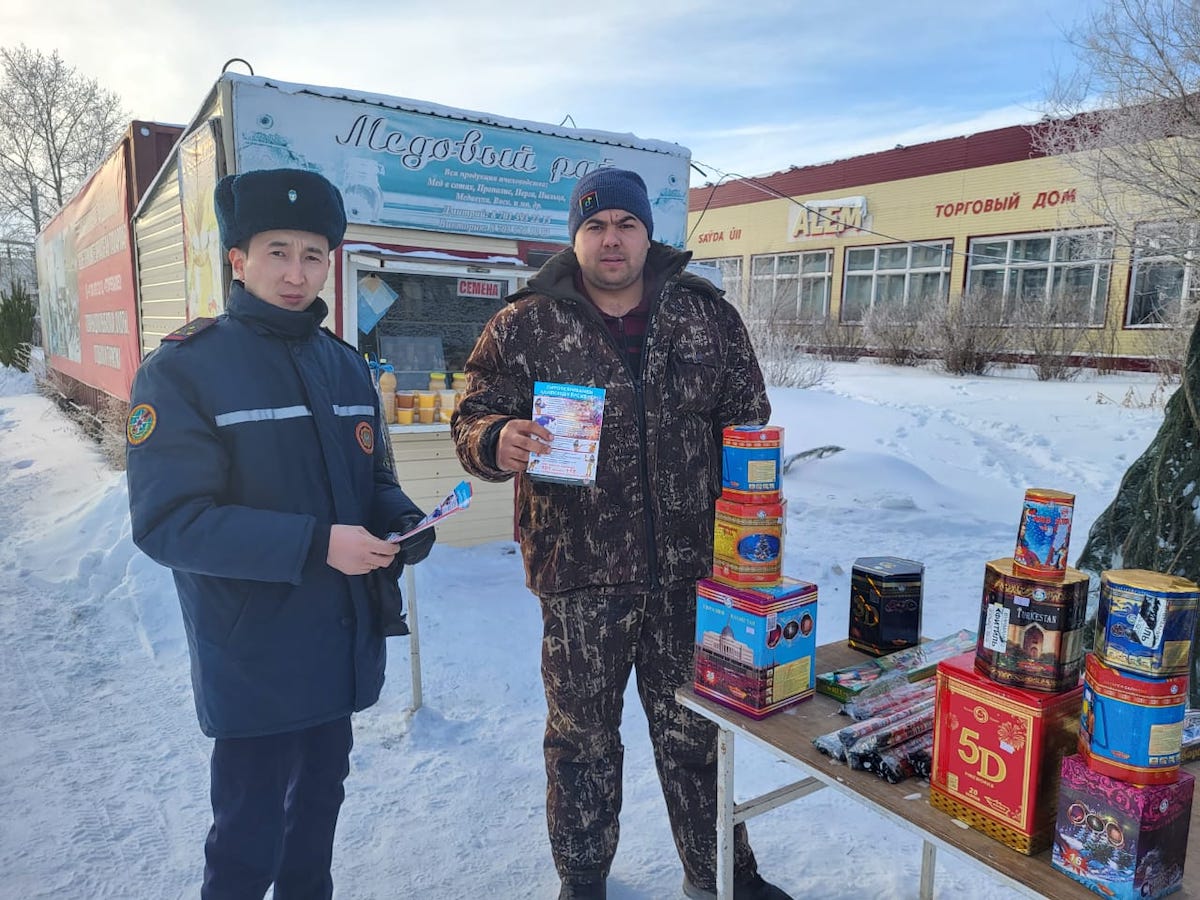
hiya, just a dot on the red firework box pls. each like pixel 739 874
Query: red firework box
pixel 755 646
pixel 997 751
pixel 1121 840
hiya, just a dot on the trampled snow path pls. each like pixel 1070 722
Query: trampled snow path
pixel 95 793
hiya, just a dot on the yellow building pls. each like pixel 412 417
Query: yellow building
pixel 898 231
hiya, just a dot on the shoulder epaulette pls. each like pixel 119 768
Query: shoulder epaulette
pixel 191 329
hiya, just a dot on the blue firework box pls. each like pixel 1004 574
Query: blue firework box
pixel 756 644
pixel 1145 621
pixel 751 462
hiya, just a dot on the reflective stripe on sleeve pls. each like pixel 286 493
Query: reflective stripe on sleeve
pixel 239 416
pixel 353 410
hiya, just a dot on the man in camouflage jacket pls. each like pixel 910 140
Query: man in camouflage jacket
pixel 615 563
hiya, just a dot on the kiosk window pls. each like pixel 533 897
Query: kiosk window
pixel 429 325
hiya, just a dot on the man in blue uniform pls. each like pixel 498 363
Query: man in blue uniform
pixel 258 475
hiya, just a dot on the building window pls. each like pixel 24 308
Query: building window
pixel 1058 277
pixel 730 268
pixel 901 279
pixel 790 288
pixel 1164 273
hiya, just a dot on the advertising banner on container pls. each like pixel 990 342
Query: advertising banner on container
pixel 445 170
pixel 202 256
pixel 86 287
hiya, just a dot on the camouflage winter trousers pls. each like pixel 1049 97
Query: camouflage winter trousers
pixel 591 640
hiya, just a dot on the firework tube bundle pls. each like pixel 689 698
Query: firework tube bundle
pixel 922 760
pixel 852 734
pixel 904 760
pixel 903 696
pixel 831 745
pixel 890 735
pixel 835 743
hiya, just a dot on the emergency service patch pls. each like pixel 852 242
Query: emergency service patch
pixel 588 203
pixel 142 419
pixel 191 328
pixel 366 437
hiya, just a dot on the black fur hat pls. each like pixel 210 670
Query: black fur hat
pixel 269 199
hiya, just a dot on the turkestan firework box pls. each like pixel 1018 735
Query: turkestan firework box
pixel 1121 840
pixel 755 646
pixel 997 751
pixel 885 604
pixel 1031 630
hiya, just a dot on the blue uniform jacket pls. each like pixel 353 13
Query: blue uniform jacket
pixel 247 440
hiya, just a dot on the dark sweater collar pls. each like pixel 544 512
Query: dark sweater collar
pixel 642 310
pixel 265 318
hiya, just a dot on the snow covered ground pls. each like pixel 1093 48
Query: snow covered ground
pixel 103 770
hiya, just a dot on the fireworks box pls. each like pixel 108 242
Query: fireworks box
pixel 1121 840
pixel 880 674
pixel 748 542
pixel 1031 630
pixel 755 646
pixel 997 751
pixel 885 604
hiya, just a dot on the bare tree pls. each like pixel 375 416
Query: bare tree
pixel 784 361
pixel 56 126
pixel 1167 346
pixel 1128 119
pixel 969 336
pixel 893 332
pixel 831 340
pixel 1050 335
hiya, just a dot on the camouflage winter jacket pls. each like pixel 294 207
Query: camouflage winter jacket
pixel 648 520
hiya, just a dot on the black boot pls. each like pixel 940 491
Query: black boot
pixel 745 887
pixel 582 890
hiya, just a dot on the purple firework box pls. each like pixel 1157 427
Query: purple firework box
pixel 1121 840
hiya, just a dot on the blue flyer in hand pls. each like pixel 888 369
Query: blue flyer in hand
pixel 574 414
pixel 459 498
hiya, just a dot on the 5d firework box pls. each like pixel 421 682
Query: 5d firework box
pixel 885 604
pixel 1121 840
pixel 997 752
pixel 755 646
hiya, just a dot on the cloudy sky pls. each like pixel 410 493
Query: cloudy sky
pixel 750 86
